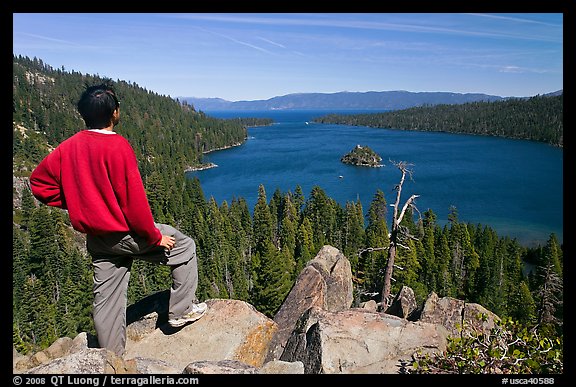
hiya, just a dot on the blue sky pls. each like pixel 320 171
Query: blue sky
pixel 242 56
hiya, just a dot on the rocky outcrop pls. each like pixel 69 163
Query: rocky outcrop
pixel 325 282
pixel 457 315
pixel 230 330
pixel 62 347
pixel 314 331
pixel 404 304
pixel 356 341
pixel 88 361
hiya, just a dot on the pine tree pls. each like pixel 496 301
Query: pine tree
pixel 276 207
pixel 263 248
pixel 428 258
pixel 305 250
pixel 216 249
pixel 470 265
pixel 19 268
pixel 232 265
pixel 353 240
pixel 298 199
pixel 59 264
pixel 65 309
pixel 372 260
pixel 81 295
pixel 444 274
pixel 240 233
pixel 493 279
pixel 522 307
pixel 156 193
pixel 263 227
pixel 465 260
pixel 288 234
pixel 273 281
pixel 28 207
pixel 43 244
pixel 38 318
pixel 18 341
pixel 320 211
pixel 514 275
pixel 491 271
pixel 271 268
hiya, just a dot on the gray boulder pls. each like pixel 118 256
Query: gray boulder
pixel 358 341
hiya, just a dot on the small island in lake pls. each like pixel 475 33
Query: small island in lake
pixel 362 156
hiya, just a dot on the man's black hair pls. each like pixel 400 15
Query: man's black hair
pixel 97 104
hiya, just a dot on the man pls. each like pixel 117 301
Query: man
pixel 94 175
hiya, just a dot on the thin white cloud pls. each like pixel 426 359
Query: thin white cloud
pixel 515 19
pixel 236 41
pixel 289 20
pixel 511 69
pixel 271 42
pixel 54 40
pixel 517 69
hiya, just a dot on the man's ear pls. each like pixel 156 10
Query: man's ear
pixel 116 116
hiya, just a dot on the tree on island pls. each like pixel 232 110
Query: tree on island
pixel 362 156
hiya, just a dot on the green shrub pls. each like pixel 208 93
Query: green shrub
pixel 509 348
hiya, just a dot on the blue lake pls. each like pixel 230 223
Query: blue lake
pixel 513 186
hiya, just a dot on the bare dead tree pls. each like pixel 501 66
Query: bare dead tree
pixel 549 292
pixel 397 233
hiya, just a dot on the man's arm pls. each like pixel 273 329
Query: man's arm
pixel 131 196
pixel 45 181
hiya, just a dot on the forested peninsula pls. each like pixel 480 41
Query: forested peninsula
pixel 246 254
pixel 537 118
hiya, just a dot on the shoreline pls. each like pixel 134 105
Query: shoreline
pixel 224 147
pixel 200 167
pixel 205 166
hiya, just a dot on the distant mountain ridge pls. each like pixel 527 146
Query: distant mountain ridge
pixel 376 100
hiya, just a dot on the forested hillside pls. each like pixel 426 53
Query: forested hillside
pixel 44 113
pixel 537 118
pixel 255 255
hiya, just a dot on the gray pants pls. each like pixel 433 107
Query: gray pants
pixel 112 257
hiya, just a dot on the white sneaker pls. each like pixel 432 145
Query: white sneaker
pixel 197 311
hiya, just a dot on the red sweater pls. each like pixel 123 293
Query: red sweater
pixel 95 177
